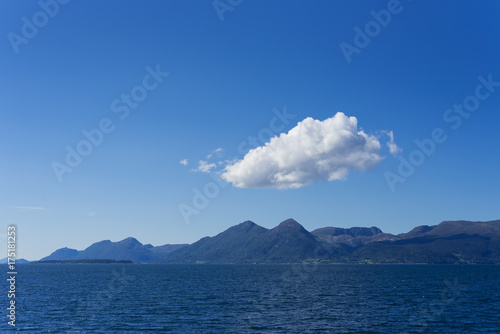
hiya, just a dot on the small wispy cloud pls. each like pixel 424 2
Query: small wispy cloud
pixel 91 214
pixel 204 167
pixel 217 150
pixel 184 162
pixel 30 208
pixel 394 149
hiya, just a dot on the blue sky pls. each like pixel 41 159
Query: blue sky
pixel 227 79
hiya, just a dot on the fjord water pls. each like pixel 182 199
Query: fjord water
pixel 112 298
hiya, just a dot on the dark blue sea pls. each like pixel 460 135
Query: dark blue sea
pixel 114 298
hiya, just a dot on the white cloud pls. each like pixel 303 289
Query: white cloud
pixel 204 167
pixel 184 162
pixel 310 152
pixel 91 214
pixel 393 148
pixel 30 208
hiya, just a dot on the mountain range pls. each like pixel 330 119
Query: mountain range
pixel 450 242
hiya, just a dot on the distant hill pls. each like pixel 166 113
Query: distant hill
pixel 126 250
pixel 449 242
pixel 353 237
pixel 99 261
pixel 4 260
pixel 62 254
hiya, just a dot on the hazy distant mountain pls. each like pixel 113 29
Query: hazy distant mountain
pixel 4 260
pixel 95 261
pixel 62 254
pixel 127 249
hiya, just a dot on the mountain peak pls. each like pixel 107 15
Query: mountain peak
pixel 247 223
pixel 130 240
pixel 289 223
pixel 289 227
pixel 245 226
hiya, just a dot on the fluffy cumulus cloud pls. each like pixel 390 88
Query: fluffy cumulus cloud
pixel 310 152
